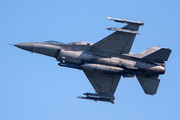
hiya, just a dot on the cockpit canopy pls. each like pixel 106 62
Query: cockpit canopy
pixel 53 41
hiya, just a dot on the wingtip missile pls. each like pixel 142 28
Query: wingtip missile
pixel 122 30
pixel 98 97
pixel 126 21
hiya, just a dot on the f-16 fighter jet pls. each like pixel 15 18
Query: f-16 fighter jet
pixel 107 60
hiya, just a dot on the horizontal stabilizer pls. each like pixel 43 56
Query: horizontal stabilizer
pixel 154 53
pixel 149 85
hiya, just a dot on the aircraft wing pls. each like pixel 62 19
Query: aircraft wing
pixel 119 42
pixel 104 84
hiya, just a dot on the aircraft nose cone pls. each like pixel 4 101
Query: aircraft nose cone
pixel 25 46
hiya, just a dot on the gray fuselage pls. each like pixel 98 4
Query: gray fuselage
pixel 81 57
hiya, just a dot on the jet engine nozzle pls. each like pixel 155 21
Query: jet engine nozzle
pixel 161 69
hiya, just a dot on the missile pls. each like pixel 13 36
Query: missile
pixel 97 99
pixel 123 30
pixel 126 21
pixel 99 95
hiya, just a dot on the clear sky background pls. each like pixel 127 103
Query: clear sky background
pixel 34 87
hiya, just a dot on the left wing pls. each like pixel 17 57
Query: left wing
pixel 104 84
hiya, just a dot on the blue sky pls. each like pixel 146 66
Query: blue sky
pixel 34 87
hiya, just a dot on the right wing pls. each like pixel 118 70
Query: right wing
pixel 118 42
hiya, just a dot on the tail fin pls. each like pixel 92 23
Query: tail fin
pixel 157 54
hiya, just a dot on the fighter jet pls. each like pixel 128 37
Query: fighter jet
pixel 108 59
